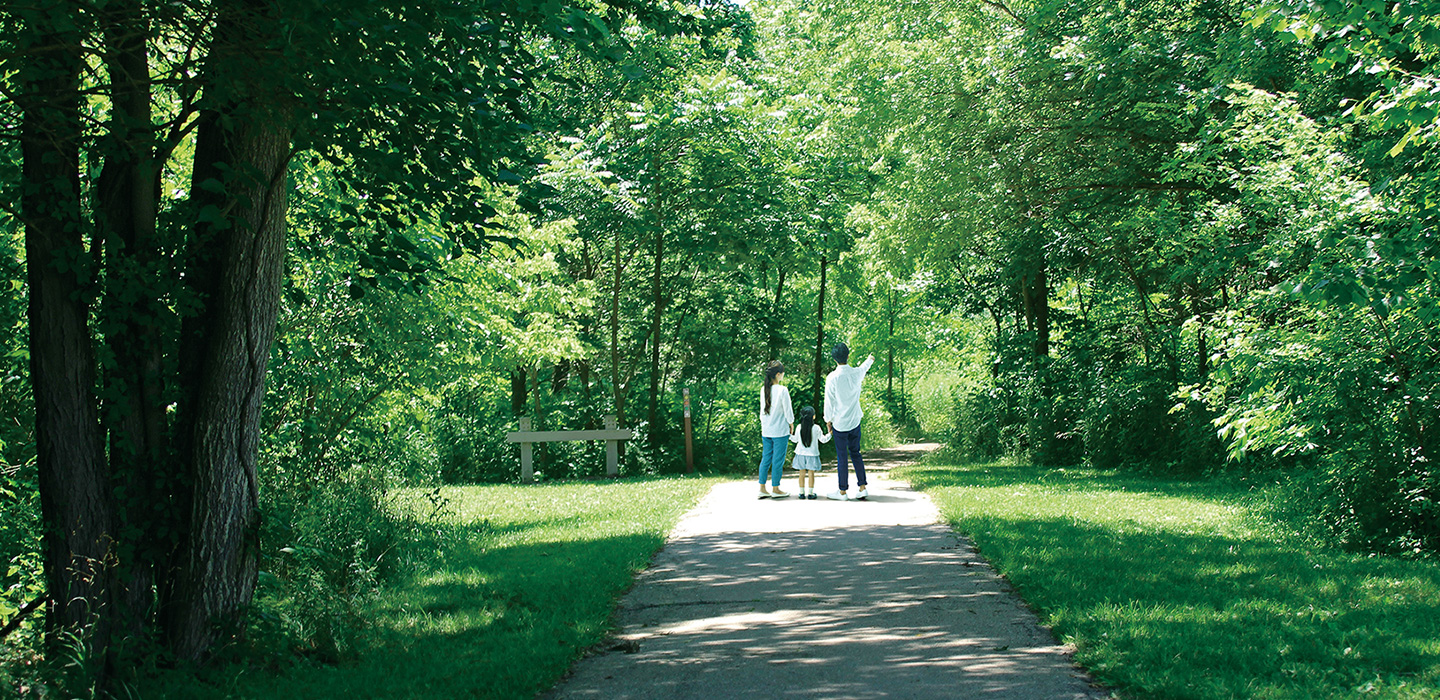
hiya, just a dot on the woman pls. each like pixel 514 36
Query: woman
pixel 777 420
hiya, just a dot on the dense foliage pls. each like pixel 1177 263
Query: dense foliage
pixel 1190 235
pixel 1178 237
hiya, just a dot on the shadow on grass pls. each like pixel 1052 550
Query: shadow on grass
pixel 500 623
pixel 1187 614
pixel 519 584
pixel 1074 478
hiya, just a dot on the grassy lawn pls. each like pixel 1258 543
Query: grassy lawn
pixel 506 609
pixel 1173 589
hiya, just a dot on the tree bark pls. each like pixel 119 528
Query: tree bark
pixel 235 267
pixel 658 302
pixel 772 325
pixel 818 387
pixel 560 377
pixel 1202 363
pixel 890 344
pixel 615 337
pixel 518 397
pixel 74 479
pixel 126 220
pixel 1035 292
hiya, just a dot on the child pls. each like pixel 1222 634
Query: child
pixel 807 438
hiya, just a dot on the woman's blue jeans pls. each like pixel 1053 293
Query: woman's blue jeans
pixel 772 458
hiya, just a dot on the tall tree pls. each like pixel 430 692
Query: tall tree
pixel 188 286
pixel 75 482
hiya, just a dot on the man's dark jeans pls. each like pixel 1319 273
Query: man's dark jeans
pixel 847 445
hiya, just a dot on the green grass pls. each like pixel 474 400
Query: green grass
pixel 1172 589
pixel 505 609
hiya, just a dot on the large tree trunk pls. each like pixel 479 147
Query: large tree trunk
pixel 236 268
pixel 818 386
pixel 74 480
pixel 126 219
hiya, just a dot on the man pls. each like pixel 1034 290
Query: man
pixel 842 415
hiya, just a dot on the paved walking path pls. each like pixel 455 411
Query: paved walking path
pixel 823 599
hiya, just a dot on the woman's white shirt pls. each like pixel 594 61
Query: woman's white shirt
pixel 817 436
pixel 777 422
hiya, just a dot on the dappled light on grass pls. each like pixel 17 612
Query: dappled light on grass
pixel 1186 590
pixel 525 581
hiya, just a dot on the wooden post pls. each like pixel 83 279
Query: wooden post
pixel 689 444
pixel 612 450
pixel 527 461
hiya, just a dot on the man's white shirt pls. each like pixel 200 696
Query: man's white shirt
pixel 842 395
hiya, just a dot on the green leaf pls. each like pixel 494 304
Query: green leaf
pixel 1400 146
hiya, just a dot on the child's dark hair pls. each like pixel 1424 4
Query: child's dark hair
pixel 807 425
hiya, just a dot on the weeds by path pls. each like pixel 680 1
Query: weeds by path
pixel 527 582
pixel 1173 589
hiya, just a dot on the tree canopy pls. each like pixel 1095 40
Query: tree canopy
pixel 272 259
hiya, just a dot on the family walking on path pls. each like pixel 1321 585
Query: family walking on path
pixel 842 421
pixel 741 603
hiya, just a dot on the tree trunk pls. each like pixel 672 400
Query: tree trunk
pixel 518 397
pixel 1035 292
pixel 615 337
pixel 560 378
pixel 658 302
pixel 537 413
pixel 1202 364
pixel 818 387
pixel 999 349
pixel 890 344
pixel 235 267
pixel 772 325
pixel 74 480
pixel 126 219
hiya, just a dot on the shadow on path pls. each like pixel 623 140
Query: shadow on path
pixel 823 599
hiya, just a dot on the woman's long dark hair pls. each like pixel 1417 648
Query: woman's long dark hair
pixel 770 372
pixel 807 425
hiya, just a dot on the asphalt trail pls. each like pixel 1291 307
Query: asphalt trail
pixel 824 599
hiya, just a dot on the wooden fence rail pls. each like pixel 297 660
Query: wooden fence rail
pixel 527 438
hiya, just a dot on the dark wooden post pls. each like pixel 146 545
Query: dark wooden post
pixel 689 443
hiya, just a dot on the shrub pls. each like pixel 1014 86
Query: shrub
pixel 1348 411
pixel 469 429
pixel 328 549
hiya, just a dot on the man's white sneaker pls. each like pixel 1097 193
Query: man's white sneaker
pixel 837 496
pixel 861 495
pixel 764 494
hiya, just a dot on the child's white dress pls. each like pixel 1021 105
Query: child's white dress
pixel 809 457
